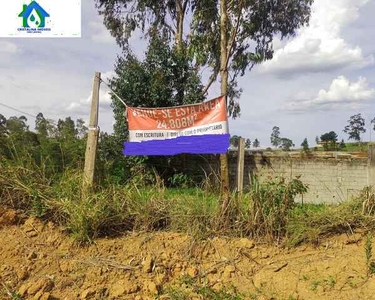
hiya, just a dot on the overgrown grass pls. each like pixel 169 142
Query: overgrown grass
pixel 268 212
pixel 311 223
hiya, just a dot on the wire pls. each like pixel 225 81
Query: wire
pixel 118 97
pixel 20 111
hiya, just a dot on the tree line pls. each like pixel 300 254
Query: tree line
pixel 329 141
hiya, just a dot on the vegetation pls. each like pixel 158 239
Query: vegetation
pixel 234 139
pixel 275 137
pixel 189 286
pixel 369 258
pixel 247 144
pixel 41 174
pixel 280 142
pixel 227 38
pixel 305 145
pixel 312 223
pixel 256 143
pixel 329 140
pixel 342 145
pixel 355 127
pixel 137 205
pixel 286 144
pixel 347 147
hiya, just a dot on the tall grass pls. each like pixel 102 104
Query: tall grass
pixel 312 223
pixel 267 212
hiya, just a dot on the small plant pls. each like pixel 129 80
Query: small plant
pixel 331 282
pixel 305 277
pixel 325 283
pixel 368 250
pixel 315 285
pixel 179 180
pixel 189 286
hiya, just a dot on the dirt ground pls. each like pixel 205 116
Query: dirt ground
pixel 40 261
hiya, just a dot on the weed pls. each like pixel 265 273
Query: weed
pixel 331 282
pixel 270 205
pixel 369 259
pixel 314 285
pixel 180 180
pixel 368 196
pixel 310 223
pixel 189 286
pixel 305 277
pixel 352 284
pixel 325 283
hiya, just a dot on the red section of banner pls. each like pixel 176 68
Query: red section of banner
pixel 177 118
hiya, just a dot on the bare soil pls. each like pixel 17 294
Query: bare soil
pixel 41 261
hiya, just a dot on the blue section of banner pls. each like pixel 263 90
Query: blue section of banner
pixel 196 144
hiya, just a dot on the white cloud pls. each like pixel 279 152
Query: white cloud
pixel 106 76
pixel 82 107
pixel 320 46
pixel 101 34
pixel 342 94
pixel 8 48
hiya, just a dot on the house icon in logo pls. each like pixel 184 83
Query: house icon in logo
pixel 34 16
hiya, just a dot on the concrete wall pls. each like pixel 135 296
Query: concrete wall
pixel 331 178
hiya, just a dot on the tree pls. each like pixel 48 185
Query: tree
pixel 154 82
pixel 162 79
pixel 41 126
pixel 3 125
pixel 226 36
pixel 373 124
pixel 66 129
pixel 342 145
pixel 247 144
pixel 234 140
pixel 317 140
pixel 81 128
pixel 123 17
pixel 355 127
pixel 329 137
pixel 256 143
pixel 305 145
pixel 329 140
pixel 17 124
pixel 275 137
pixel 286 144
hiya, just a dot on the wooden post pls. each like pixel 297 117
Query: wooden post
pixel 92 138
pixel 371 165
pixel 240 165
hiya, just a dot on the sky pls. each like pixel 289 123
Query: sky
pixel 314 83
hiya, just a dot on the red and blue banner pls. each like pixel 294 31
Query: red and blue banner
pixel 197 129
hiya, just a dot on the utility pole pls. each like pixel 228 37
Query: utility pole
pixel 92 138
pixel 224 172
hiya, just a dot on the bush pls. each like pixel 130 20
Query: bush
pixel 271 203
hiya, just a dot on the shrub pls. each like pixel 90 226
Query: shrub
pixel 270 205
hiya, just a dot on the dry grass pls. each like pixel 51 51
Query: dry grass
pixel 268 212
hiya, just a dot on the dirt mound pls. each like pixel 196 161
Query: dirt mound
pixel 8 217
pixel 39 261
